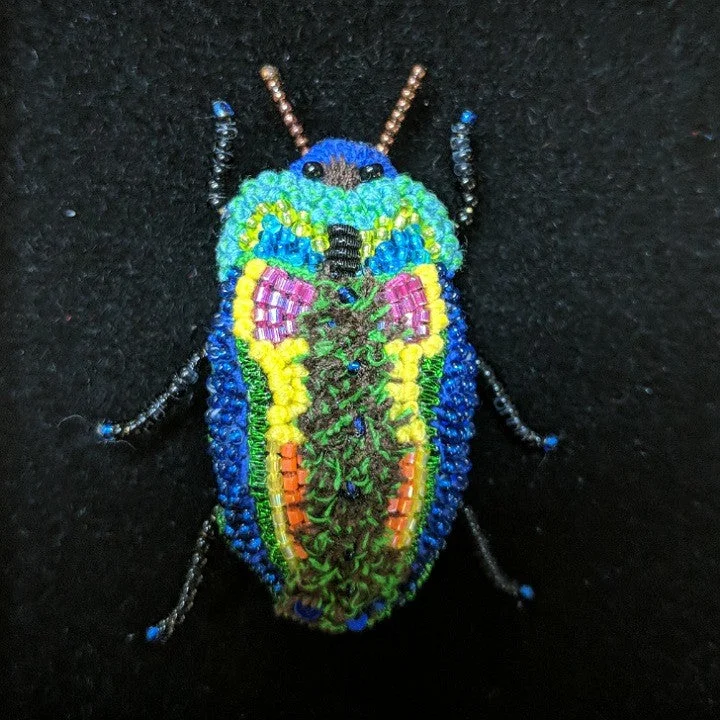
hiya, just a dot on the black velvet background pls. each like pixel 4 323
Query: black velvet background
pixel 591 282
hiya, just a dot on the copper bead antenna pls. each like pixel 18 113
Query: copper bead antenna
pixel 271 77
pixel 407 95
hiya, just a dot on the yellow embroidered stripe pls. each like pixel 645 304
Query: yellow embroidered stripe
pixel 405 392
pixel 284 371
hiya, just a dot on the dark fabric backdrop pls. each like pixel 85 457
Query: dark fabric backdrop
pixel 591 282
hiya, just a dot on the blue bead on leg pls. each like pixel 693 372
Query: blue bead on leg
pixel 505 407
pixel 180 385
pixel 161 631
pixel 523 593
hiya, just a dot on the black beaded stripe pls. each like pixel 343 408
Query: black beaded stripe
pixel 464 171
pixel 343 255
pixel 225 132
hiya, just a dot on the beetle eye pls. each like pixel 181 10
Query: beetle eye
pixel 313 170
pixel 371 172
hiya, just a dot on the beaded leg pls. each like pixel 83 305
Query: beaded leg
pixel 181 383
pixel 463 167
pixel 505 407
pixel 225 132
pixel 161 631
pixel 492 569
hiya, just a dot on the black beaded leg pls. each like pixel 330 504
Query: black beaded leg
pixel 505 407
pixel 225 133
pixel 162 630
pixel 463 166
pixel 490 564
pixel 180 384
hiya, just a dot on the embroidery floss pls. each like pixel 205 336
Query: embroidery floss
pixel 342 385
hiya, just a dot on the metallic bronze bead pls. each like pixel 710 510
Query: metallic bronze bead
pixel 386 139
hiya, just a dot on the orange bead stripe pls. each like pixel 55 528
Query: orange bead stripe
pixel 403 509
pixel 294 483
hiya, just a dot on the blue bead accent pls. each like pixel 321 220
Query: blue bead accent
pixel 346 295
pixel 307 612
pixel 357 624
pixel 403 248
pixel 526 592
pixel 353 367
pixel 104 430
pixel 354 153
pixel 350 489
pixel 550 442
pixel 152 633
pixel 278 242
pixel 222 109
pixel 359 425
pixel 331 324
pixel 468 117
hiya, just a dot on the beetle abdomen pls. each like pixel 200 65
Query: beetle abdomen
pixel 354 456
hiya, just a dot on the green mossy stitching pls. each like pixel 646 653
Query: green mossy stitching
pixel 220 520
pixel 353 584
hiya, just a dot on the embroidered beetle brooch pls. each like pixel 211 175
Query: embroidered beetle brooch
pixel 342 385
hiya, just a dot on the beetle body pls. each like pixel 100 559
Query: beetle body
pixel 342 385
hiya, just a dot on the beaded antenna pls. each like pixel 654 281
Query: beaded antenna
pixel 342 385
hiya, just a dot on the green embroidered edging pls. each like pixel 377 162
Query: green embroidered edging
pixel 294 270
pixel 258 403
pixel 431 370
pixel 220 520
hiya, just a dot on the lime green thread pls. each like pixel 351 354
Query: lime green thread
pixel 258 403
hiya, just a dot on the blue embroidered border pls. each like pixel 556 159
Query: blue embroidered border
pixel 457 402
pixel 227 419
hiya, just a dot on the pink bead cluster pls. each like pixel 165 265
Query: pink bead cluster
pixel 279 299
pixel 408 304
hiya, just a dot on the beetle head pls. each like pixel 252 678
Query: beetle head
pixel 341 209
pixel 343 163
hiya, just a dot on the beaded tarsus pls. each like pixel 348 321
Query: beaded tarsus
pixel 489 562
pixel 161 631
pixel 182 381
pixel 225 133
pixel 463 167
pixel 505 407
